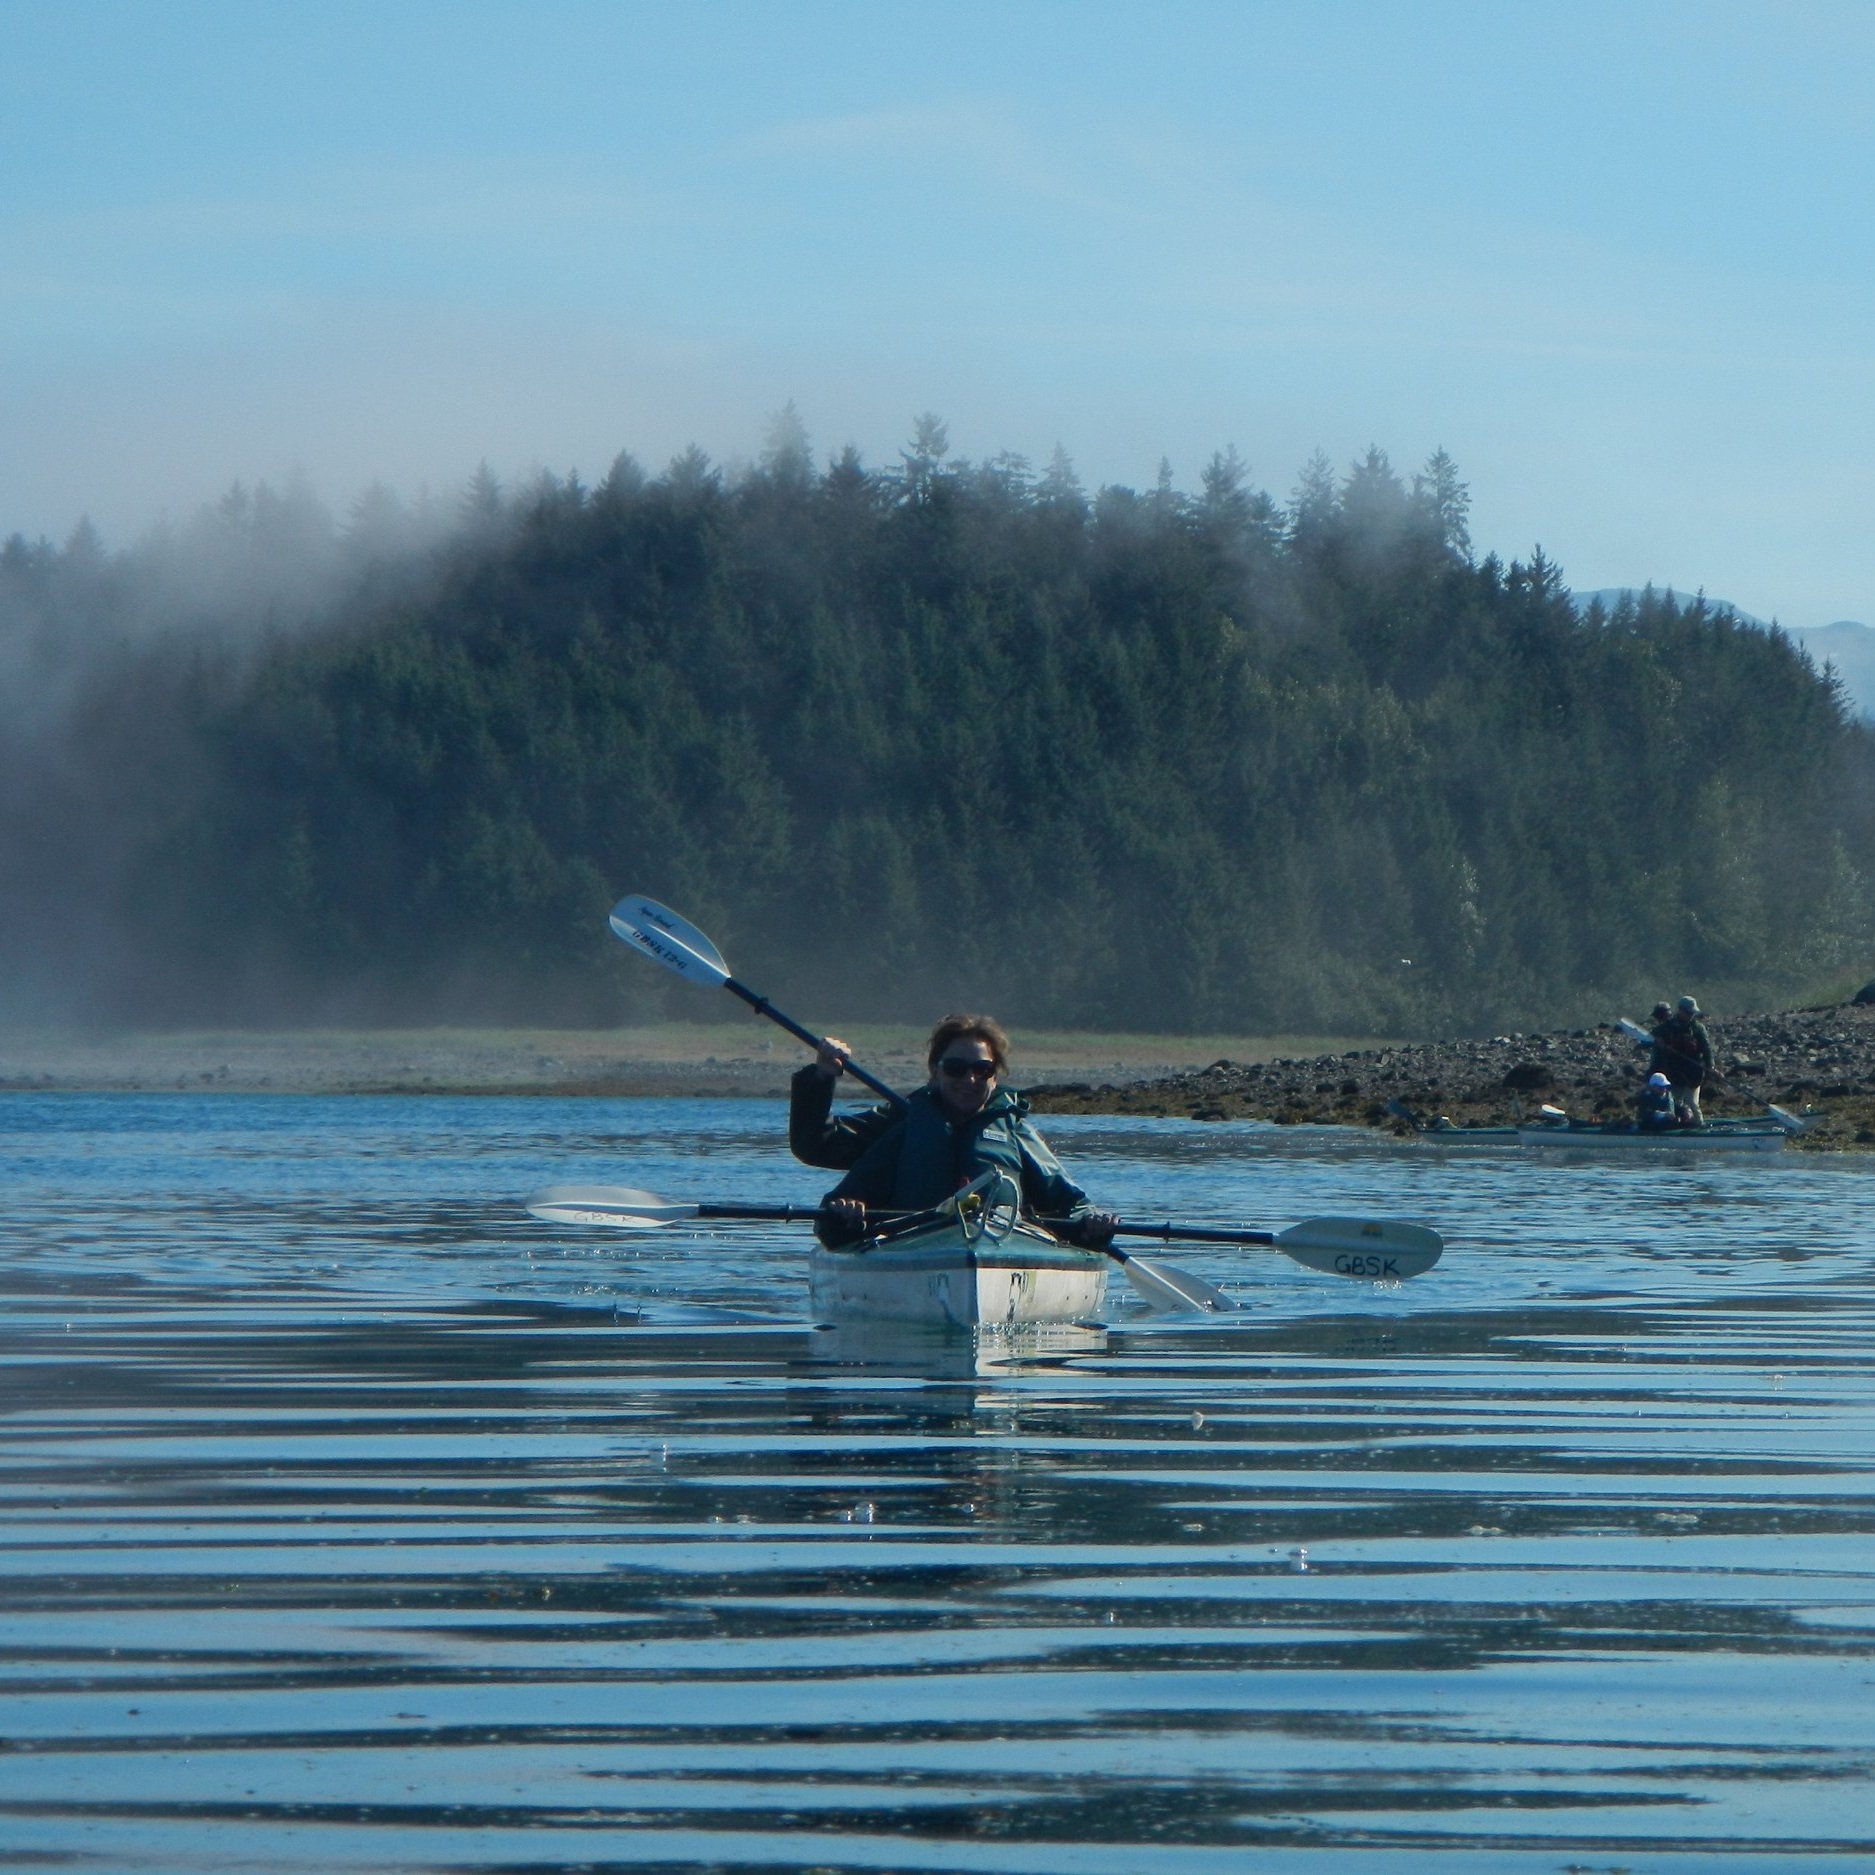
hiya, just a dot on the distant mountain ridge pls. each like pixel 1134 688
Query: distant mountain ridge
pixel 1846 643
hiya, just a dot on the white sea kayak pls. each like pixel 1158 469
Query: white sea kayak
pixel 977 1265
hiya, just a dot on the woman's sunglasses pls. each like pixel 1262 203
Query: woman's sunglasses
pixel 956 1068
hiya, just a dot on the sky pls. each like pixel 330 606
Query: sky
pixel 1616 259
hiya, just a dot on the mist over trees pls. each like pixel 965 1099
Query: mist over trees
pixel 941 732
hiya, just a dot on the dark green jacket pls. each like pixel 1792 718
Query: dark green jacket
pixel 1682 1050
pixel 819 1136
pixel 921 1159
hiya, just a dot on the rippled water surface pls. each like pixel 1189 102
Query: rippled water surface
pixel 354 1520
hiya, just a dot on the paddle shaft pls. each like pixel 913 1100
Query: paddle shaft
pixel 794 1213
pixel 763 1007
pixel 1183 1233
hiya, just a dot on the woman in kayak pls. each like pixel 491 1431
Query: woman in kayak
pixel 959 1125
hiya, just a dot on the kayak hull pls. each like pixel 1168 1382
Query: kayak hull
pixel 943 1275
pixel 1748 1136
pixel 1717 1136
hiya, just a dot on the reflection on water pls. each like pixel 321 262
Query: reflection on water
pixel 354 1520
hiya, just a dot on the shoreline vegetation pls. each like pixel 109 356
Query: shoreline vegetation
pixel 1174 762
pixel 1819 1061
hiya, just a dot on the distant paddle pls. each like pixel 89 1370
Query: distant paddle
pixel 620 1207
pixel 669 938
pixel 1645 1038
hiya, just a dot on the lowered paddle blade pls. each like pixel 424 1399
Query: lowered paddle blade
pixel 618 1206
pixel 663 942
pixel 1172 1290
pixel 1786 1119
pixel 1377 1249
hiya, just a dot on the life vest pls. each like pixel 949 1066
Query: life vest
pixel 1679 1039
pixel 939 1155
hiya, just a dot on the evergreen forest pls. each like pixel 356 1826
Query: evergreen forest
pixel 934 734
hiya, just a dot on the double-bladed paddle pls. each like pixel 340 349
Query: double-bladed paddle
pixel 1371 1249
pixel 1367 1249
pixel 672 940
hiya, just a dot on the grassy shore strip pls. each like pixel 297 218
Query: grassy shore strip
pixel 739 1057
pixel 1818 1061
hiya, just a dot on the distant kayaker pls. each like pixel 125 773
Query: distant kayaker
pixel 959 1125
pixel 1656 1110
pixel 816 1134
pixel 1683 1053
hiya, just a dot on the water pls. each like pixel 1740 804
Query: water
pixel 353 1520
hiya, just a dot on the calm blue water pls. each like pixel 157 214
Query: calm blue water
pixel 354 1520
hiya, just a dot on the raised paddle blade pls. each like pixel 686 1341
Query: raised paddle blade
pixel 1375 1249
pixel 1170 1290
pixel 669 938
pixel 663 943
pixel 641 913
pixel 1641 1037
pixel 618 1206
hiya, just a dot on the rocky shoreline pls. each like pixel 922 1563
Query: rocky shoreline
pixel 1819 1062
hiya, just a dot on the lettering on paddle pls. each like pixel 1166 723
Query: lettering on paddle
pixel 650 914
pixel 664 953
pixel 1369 1263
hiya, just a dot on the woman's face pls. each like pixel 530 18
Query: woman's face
pixel 964 1075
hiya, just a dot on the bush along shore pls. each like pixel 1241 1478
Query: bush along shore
pixel 1817 1062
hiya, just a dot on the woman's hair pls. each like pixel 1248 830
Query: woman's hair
pixel 985 1029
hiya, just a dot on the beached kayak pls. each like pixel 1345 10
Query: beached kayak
pixel 1753 1135
pixel 1623 1136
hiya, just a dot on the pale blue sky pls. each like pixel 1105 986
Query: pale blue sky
pixel 1616 258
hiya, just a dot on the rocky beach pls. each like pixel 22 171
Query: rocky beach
pixel 1819 1062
